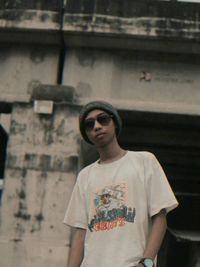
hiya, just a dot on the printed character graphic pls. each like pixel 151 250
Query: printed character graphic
pixel 105 199
pixel 108 199
pixel 110 209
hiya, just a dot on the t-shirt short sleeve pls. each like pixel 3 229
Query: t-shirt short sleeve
pixel 76 215
pixel 159 193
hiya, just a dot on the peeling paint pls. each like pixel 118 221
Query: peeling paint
pixel 22 208
pixel 45 162
pixel 31 4
pixel 16 240
pixel 11 160
pixel 23 215
pixel 86 58
pixel 24 172
pixel 39 217
pixel 46 122
pixel 22 194
pixel 60 128
pixel 20 229
pixel 29 19
pixel 44 17
pixel 17 128
pixel 37 56
pixel 160 18
pixel 42 162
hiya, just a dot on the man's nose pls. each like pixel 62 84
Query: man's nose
pixel 97 125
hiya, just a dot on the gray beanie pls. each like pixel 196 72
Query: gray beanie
pixel 102 105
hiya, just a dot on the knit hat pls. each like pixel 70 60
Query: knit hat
pixel 102 105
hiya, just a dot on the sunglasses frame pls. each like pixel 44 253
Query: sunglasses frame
pixel 104 119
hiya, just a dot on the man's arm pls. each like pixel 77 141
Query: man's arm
pixel 77 248
pixel 159 226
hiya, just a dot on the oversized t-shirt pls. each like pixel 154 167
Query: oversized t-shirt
pixel 114 202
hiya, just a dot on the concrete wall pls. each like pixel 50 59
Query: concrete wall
pixel 136 80
pixel 40 173
pixel 23 66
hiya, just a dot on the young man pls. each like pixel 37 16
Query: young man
pixel 119 203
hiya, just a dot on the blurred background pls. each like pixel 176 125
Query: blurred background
pixel 143 56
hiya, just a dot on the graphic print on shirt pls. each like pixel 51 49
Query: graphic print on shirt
pixel 110 209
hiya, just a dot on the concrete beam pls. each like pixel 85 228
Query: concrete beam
pixel 144 25
pixel 130 42
pixel 151 25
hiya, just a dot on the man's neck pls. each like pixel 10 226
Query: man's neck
pixel 110 153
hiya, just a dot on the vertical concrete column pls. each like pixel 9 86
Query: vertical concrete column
pixel 42 160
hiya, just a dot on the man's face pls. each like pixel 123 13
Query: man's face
pixel 105 199
pixel 99 127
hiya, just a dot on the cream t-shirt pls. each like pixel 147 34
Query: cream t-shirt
pixel 114 202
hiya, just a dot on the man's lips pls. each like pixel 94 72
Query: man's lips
pixel 99 135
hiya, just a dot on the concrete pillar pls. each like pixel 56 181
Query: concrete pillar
pixel 42 160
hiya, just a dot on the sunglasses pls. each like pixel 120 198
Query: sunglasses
pixel 103 118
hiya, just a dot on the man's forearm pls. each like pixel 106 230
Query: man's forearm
pixel 159 226
pixel 77 248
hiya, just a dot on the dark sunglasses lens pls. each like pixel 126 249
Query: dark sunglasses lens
pixel 89 124
pixel 104 119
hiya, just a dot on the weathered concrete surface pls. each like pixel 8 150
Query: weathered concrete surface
pixel 53 5
pixel 149 18
pixel 136 80
pixel 111 24
pixel 125 24
pixel 22 66
pixel 40 173
pixel 33 19
pixel 39 20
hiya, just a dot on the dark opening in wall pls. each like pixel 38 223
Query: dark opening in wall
pixel 5 111
pixel 174 139
pixel 3 147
